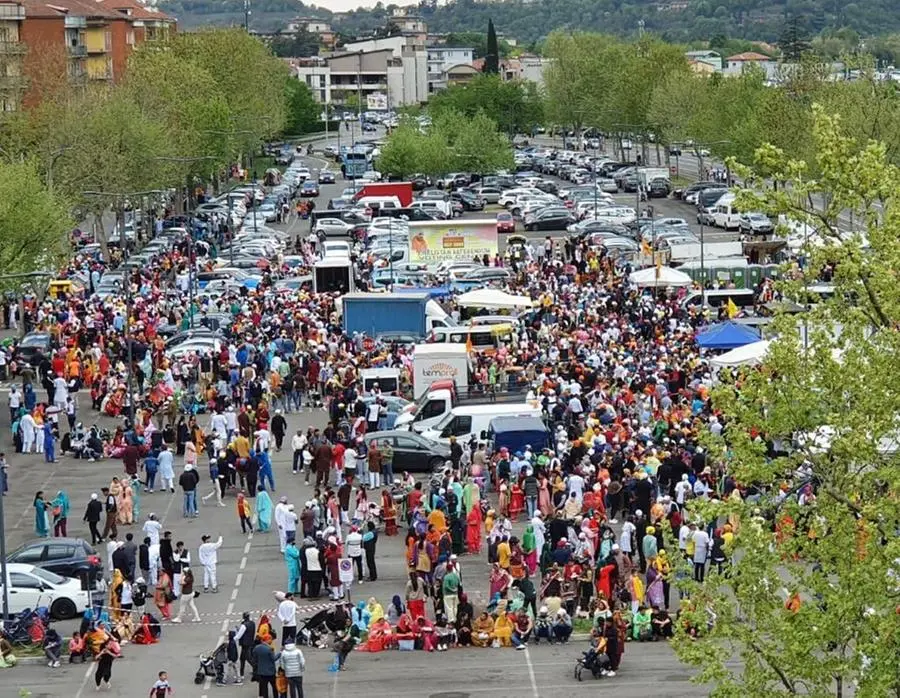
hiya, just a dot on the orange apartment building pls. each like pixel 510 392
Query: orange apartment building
pixel 78 41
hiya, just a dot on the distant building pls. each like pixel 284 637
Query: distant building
pixel 707 57
pixel 404 22
pixel 319 27
pixel 448 66
pixel 737 64
pixel 525 67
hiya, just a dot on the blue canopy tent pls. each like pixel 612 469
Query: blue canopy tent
pixel 726 335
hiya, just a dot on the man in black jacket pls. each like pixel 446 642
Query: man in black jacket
pixel 92 516
pixel 244 637
pixel 130 551
pixel 112 510
pixel 188 481
pixel 144 558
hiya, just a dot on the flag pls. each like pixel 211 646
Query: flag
pixel 732 309
pixel 469 345
pixel 645 248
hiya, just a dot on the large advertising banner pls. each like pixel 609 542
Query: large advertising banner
pixel 447 241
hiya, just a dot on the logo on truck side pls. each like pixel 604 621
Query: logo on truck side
pixel 440 370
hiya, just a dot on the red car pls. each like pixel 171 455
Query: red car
pixel 505 223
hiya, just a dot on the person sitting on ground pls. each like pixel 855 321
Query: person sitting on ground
pixel 503 629
pixel 482 630
pixel 543 626
pixel 522 627
pixel 662 623
pixel 77 648
pixel 562 626
pixel 641 629
pixel 52 647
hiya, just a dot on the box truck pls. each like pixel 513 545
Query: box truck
pixel 412 314
pixel 439 362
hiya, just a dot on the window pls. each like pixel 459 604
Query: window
pixel 407 442
pixel 59 552
pixel 459 426
pixel 28 555
pixel 23 581
pixel 432 408
pixel 129 37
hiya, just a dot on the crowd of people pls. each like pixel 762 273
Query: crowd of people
pixel 592 527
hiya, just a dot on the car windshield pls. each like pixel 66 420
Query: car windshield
pixel 48 576
pixel 35 340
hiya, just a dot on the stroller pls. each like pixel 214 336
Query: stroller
pixel 595 662
pixel 212 665
pixel 27 627
pixel 314 630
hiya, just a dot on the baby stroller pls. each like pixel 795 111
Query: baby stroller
pixel 314 398
pixel 595 662
pixel 212 665
pixel 314 630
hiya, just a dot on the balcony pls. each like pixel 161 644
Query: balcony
pixel 10 12
pixel 79 51
pixel 13 48
pixel 96 49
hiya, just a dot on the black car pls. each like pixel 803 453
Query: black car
pixel 469 201
pixel 368 127
pixel 67 557
pixel 411 451
pixel 550 220
pixel 658 188
pixel 420 182
pixel 33 344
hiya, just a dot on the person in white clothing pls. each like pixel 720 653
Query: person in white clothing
pixel 682 490
pixel 280 510
pixel 628 532
pixel 209 558
pixel 29 432
pixel 355 550
pixel 152 529
pixel 287 614
pixel 290 524
pixel 60 392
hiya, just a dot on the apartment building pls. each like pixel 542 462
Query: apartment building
pixel 78 41
pixel 449 65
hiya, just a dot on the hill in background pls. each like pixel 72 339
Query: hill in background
pixel 531 20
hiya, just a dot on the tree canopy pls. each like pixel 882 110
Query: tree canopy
pixel 811 600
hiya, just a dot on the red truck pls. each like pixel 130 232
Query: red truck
pixel 402 190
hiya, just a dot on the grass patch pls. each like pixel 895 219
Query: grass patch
pixel 581 625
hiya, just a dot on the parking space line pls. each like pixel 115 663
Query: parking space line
pixel 534 686
pixel 87 675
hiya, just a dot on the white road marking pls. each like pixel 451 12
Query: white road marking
pixel 87 675
pixel 243 562
pixel 234 593
pixel 534 686
pixel 238 579
pixel 247 548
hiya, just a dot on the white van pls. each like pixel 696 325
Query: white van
pixel 336 248
pixel 379 202
pixel 443 207
pixel 466 422
pixel 724 215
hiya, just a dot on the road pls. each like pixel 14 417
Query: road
pixel 251 568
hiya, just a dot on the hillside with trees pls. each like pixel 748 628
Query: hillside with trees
pixel 532 20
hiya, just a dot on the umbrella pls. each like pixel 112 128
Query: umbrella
pixel 662 277
pixel 747 355
pixel 726 335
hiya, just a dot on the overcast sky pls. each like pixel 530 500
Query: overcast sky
pixel 345 5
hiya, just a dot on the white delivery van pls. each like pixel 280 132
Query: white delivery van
pixel 467 422
pixel 437 362
pixel 725 215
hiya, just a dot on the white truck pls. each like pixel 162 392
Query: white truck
pixel 439 362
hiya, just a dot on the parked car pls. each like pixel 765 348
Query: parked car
pixel 332 227
pixel 756 224
pixel 68 557
pixel 506 223
pixel 411 451
pixel 29 586
pixel 550 219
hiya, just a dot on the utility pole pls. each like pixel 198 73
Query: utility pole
pixel 247 16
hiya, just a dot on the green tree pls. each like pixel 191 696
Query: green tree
pixel 302 109
pixel 474 143
pixel 34 223
pixel 794 41
pixel 301 45
pixel 400 156
pixel 492 51
pixel 835 397
pixel 515 106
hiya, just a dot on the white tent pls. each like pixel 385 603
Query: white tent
pixel 493 298
pixel 664 277
pixel 746 355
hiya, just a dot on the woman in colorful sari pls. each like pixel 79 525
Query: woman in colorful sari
pixel 437 519
pixel 263 511
pixel 482 630
pixel 389 512
pixel 503 629
pixel 41 519
pixel 162 595
pixel 264 630
pixel 60 510
pixel 529 549
pixel 115 594
pixel 126 503
pixel 499 580
pixel 473 531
